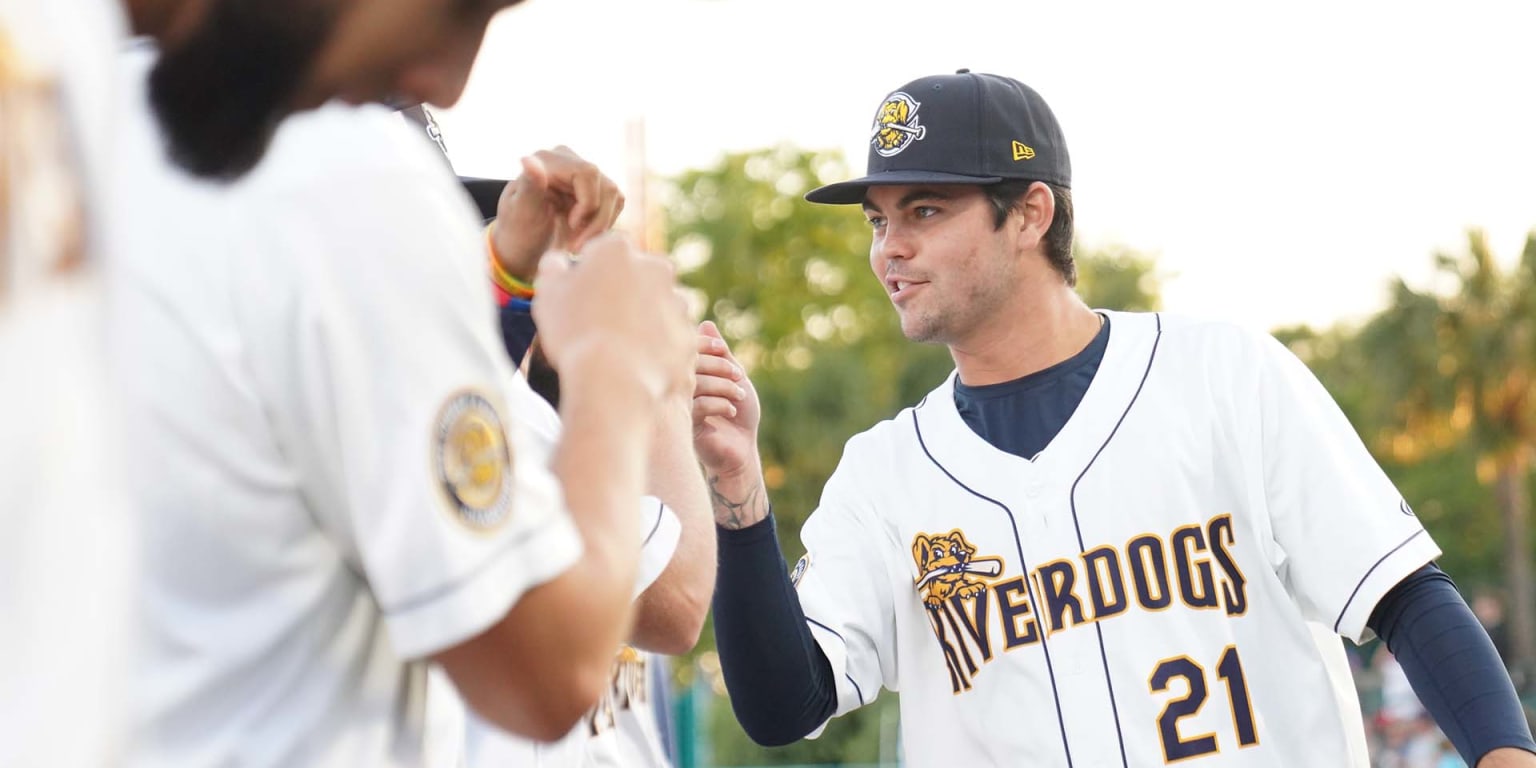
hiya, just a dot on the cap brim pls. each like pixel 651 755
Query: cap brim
pixel 851 192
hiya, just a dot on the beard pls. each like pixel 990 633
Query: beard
pixel 955 307
pixel 221 92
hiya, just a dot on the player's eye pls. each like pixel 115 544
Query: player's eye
pixel 877 221
pixel 924 211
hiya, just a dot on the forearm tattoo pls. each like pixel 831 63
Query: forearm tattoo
pixel 737 513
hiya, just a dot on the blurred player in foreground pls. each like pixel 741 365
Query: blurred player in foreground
pixel 235 70
pixel 342 477
pixel 677 574
pixel 65 570
pixel 1108 539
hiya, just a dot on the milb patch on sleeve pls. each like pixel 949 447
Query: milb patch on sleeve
pixel 801 566
pixel 472 461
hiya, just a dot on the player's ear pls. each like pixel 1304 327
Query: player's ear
pixel 1033 215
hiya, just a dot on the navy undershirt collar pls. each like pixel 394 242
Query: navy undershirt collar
pixel 1023 415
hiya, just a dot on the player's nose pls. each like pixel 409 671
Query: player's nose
pixel 892 243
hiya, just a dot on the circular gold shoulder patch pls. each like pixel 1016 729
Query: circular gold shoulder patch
pixel 473 461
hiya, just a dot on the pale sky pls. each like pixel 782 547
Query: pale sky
pixel 1282 159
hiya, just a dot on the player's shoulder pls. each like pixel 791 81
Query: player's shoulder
pixel 1180 334
pixel 864 473
pixel 1196 328
pixel 362 175
pixel 888 442
pixel 338 142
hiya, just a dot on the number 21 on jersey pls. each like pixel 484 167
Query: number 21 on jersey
pixel 1229 670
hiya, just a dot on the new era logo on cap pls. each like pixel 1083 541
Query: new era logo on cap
pixel 965 128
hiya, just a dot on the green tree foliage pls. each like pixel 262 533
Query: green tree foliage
pixel 788 283
pixel 1465 374
pixel 1117 277
pixel 1442 384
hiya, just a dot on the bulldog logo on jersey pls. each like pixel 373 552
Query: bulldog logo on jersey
pixel 628 689
pixel 473 461
pixel 947 567
pixel 896 125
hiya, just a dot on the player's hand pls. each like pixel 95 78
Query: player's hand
pixel 559 202
pixel 621 307
pixel 726 411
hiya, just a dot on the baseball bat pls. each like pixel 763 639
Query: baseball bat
pixel 979 567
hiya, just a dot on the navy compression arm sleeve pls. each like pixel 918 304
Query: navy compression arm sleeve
pixel 780 681
pixel 1451 664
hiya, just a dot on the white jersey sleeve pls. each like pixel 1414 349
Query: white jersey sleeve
pixel 844 583
pixel 659 527
pixel 397 400
pixel 659 532
pixel 487 746
pixel 1345 534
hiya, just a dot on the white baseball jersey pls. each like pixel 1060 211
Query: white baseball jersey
pixel 621 730
pixel 66 565
pixel 332 452
pixel 1165 582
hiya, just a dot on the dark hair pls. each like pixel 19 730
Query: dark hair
pixel 1005 197
pixel 221 92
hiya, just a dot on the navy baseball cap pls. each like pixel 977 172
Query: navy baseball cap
pixel 965 128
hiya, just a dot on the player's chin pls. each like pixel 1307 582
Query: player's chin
pixel 919 329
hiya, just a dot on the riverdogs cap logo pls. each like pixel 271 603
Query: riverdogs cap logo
pixel 965 128
pixel 472 461
pixel 896 125
pixel 947 566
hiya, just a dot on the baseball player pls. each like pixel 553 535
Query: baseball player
pixel 672 590
pixel 1107 539
pixel 673 587
pixel 342 477
pixel 235 71
pixel 677 559
pixel 67 569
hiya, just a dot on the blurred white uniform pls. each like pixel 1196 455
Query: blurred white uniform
pixel 65 565
pixel 621 730
pixel 333 452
